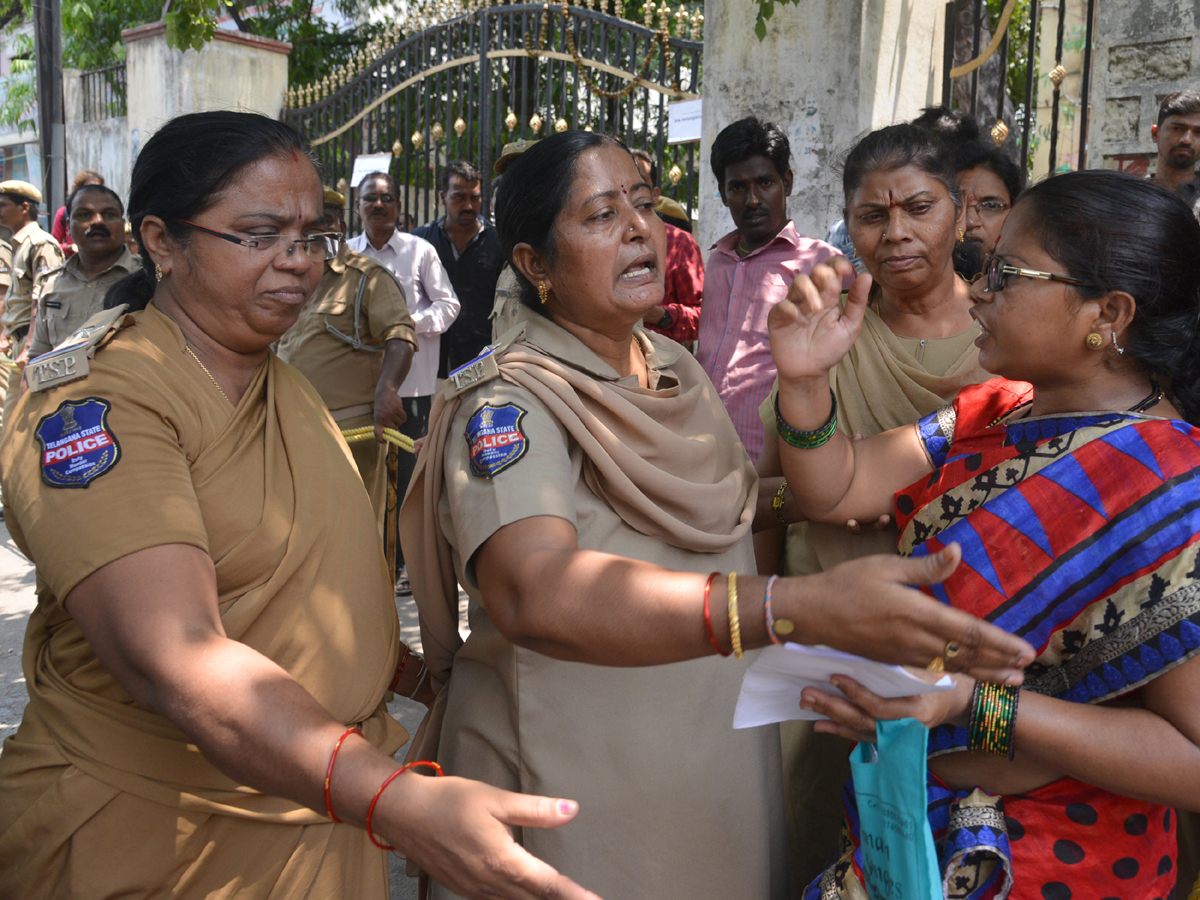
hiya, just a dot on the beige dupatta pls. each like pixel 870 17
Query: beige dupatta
pixel 668 462
pixel 879 386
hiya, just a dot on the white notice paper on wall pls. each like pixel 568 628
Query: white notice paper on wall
pixel 771 686
pixel 365 165
pixel 683 121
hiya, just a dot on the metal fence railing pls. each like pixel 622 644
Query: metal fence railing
pixel 104 93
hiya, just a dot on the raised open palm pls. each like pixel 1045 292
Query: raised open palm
pixel 809 331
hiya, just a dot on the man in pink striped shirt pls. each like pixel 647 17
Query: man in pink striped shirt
pixel 750 270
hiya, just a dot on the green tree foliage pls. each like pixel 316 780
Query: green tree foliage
pixel 18 88
pixel 766 9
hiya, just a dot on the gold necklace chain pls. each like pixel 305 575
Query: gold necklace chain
pixel 208 373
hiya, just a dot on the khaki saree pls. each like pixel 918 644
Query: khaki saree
pixel 100 797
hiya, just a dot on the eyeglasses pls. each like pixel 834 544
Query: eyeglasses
pixel 318 247
pixel 986 208
pixel 369 199
pixel 996 272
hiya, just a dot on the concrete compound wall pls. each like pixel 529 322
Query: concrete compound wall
pixel 827 72
pixel 102 146
pixel 233 71
pixel 1145 49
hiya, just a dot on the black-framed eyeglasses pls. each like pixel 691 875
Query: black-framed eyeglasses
pixel 996 271
pixel 318 247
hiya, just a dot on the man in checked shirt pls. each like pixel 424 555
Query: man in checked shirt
pixel 750 269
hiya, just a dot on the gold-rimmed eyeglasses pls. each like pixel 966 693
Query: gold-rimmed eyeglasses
pixel 318 247
pixel 988 208
pixel 996 271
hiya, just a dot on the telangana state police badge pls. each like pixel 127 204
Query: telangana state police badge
pixel 495 438
pixel 77 446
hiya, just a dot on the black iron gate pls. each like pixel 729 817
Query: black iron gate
pixel 1032 95
pixel 463 88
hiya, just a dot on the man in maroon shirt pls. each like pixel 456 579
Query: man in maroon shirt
pixel 678 317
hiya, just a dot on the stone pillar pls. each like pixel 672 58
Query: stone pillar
pixel 233 71
pixel 828 71
pixel 1144 51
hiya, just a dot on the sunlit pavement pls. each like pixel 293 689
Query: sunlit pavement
pixel 17 600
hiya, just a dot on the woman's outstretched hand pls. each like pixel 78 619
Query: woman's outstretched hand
pixel 809 332
pixel 457 830
pixel 853 716
pixel 865 607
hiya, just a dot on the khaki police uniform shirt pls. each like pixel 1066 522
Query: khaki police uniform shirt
pixel 608 737
pixel 66 299
pixel 5 266
pixel 35 252
pixel 343 375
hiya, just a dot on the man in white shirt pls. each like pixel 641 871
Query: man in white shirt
pixel 431 300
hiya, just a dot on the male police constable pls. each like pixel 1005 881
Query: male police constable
pixel 69 295
pixel 34 253
pixel 354 340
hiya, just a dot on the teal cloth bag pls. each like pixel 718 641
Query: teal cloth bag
pixel 899 859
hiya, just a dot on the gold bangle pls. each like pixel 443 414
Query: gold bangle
pixel 777 503
pixel 735 625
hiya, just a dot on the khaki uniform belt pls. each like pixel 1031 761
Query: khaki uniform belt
pixel 352 412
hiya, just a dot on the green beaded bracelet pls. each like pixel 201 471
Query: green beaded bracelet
pixel 807 440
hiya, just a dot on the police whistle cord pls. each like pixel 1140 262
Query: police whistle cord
pixel 367 433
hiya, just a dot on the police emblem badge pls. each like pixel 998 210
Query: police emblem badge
pixel 495 438
pixel 77 445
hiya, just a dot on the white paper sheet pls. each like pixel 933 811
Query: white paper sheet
pixel 771 686
pixel 684 121
pixel 366 164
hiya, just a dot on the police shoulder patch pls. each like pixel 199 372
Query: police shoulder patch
pixel 495 438
pixel 77 444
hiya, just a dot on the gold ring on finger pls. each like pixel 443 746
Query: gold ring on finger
pixel 938 664
pixel 952 649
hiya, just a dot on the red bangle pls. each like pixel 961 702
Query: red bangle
pixel 400 668
pixel 400 771
pixel 712 638
pixel 329 771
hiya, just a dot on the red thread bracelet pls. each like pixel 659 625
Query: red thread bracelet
pixel 329 771
pixel 400 771
pixel 712 638
pixel 400 669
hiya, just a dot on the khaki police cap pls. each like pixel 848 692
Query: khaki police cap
pixel 509 153
pixel 21 189
pixel 333 198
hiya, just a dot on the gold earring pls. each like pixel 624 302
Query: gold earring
pixel 961 235
pixel 157 272
pixel 543 292
pixel 1095 341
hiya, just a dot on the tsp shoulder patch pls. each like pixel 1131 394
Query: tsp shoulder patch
pixel 495 438
pixel 77 445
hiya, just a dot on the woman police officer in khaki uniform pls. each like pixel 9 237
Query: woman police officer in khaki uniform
pixel 583 481
pixel 214 610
